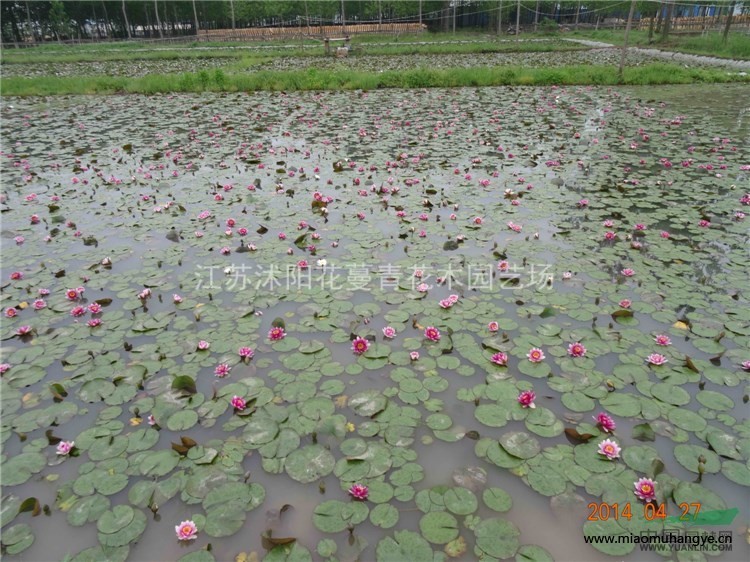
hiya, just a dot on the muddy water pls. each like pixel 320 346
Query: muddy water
pixel 136 238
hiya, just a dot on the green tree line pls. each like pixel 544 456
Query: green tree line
pixel 26 21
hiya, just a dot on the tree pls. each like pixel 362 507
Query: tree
pixel 58 20
pixel 729 22
pixel 667 22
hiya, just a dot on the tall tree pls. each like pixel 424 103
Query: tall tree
pixel 158 20
pixel 125 16
pixel 625 40
pixel 667 21
pixel 29 24
pixel 195 18
pixel 58 19
pixel 729 21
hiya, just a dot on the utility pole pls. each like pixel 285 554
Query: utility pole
pixel 454 16
pixel 28 22
pixel 231 6
pixel 729 22
pixel 195 18
pixel 420 13
pixel 343 18
pixel 107 23
pixel 667 21
pixel 578 13
pixel 499 17
pixel 518 20
pixel 127 23
pixel 625 40
pixel 536 16
pixel 158 21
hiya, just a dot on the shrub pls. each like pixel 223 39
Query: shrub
pixel 548 26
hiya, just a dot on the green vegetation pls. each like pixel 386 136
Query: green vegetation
pixel 711 44
pixel 314 79
pixel 372 45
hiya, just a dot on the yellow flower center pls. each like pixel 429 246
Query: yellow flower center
pixel 646 488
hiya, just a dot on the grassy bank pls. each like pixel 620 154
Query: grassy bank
pixel 370 47
pixel 711 44
pixel 313 79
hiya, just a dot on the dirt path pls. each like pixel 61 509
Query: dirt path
pixel 673 56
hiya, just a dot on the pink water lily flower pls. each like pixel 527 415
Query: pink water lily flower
pixel 276 333
pixel 432 333
pixel 609 449
pixel 535 355
pixel 576 350
pixel 627 272
pixel 389 332
pixel 360 345
pixel 246 352
pixel 238 403
pixel 65 447
pixel 625 303
pixel 186 531
pixel 499 358
pixel 203 345
pixel 77 311
pixel 526 399
pixel 661 339
pixel 656 359
pixel 414 355
pixel 605 422
pixel 359 492
pixel 493 326
pixel 645 489
pixel 222 370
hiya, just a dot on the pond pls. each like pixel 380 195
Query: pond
pixel 243 309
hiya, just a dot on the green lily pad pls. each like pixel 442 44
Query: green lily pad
pixel 113 534
pixel 334 516
pixel 17 538
pixel 439 527
pixel 497 499
pixel 533 553
pixel 460 501
pixel 404 545
pixel 497 538
pixel 310 463
pixel 384 515
pixel 690 456
pixel 520 444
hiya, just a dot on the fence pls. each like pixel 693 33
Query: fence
pixel 267 33
pixel 701 23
